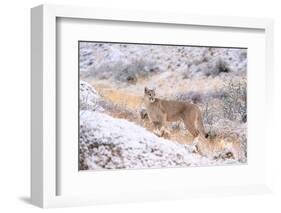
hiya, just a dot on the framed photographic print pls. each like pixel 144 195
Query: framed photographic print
pixel 204 98
pixel 130 106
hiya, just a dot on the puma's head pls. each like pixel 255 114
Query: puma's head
pixel 149 94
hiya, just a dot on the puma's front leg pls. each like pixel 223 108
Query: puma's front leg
pixel 156 128
pixel 164 130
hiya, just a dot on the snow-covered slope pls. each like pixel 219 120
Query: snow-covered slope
pixel 89 97
pixel 110 143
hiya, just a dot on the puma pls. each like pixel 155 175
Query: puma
pixel 161 111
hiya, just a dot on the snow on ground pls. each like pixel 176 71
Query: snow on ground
pixel 89 97
pixel 110 143
pixel 192 60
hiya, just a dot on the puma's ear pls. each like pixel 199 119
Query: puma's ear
pixel 145 89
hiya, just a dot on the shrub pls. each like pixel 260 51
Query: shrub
pixel 207 115
pixel 199 97
pixel 206 66
pixel 124 72
pixel 222 66
pixel 235 101
pixel 216 68
pixel 192 96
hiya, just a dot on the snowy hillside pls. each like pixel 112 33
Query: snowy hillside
pixel 110 143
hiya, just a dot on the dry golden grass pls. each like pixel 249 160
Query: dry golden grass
pixel 219 144
pixel 119 97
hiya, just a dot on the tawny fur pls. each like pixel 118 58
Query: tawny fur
pixel 162 111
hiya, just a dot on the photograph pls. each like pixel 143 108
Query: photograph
pixel 146 105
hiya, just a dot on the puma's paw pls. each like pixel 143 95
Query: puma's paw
pixel 165 132
pixel 157 132
pixel 194 149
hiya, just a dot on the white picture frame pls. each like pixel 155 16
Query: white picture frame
pixel 44 154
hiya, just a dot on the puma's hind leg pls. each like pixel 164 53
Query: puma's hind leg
pixel 191 127
pixel 200 126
